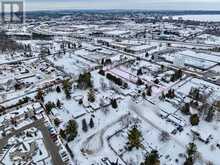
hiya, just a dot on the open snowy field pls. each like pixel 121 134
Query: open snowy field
pixel 205 18
pixel 99 87
pixel 71 63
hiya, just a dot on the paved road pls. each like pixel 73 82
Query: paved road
pixel 49 144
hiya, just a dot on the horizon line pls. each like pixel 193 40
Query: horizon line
pixel 152 10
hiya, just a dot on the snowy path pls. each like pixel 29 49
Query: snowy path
pixel 137 110
pixel 94 143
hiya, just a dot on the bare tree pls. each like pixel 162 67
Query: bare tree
pixel 103 84
pixel 104 109
pixel 164 136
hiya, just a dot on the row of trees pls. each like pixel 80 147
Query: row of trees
pixel 216 49
pixel 116 80
pixel 106 61
pixel 147 92
pixel 50 105
pixel 170 94
pixel 85 125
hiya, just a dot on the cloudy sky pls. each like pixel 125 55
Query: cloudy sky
pixel 124 4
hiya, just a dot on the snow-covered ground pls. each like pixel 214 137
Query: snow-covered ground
pixel 205 18
pixel 149 59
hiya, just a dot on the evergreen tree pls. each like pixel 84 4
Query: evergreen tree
pixel 149 91
pixel 144 95
pixel 162 97
pixel 57 122
pixel 146 54
pixel 195 93
pixel 134 138
pixel 125 85
pixel 63 133
pixel 173 78
pixel 58 89
pixel 84 125
pixel 114 103
pixel 80 101
pixel 91 96
pixel 102 61
pixel 71 130
pixel 108 61
pixel 210 115
pixel 67 86
pixel 191 151
pixel 179 73
pixel 91 123
pixel 58 104
pixel 139 72
pixel 156 81
pixel 162 67
pixel 152 158
pixel 139 82
pixel 188 161
pixel 68 94
pixel 102 72
pixel 170 94
pixel 84 81
pixel 194 119
pixel 49 106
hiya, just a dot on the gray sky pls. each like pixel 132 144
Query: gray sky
pixel 124 4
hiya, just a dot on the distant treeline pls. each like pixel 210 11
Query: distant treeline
pixel 114 14
pixel 8 44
